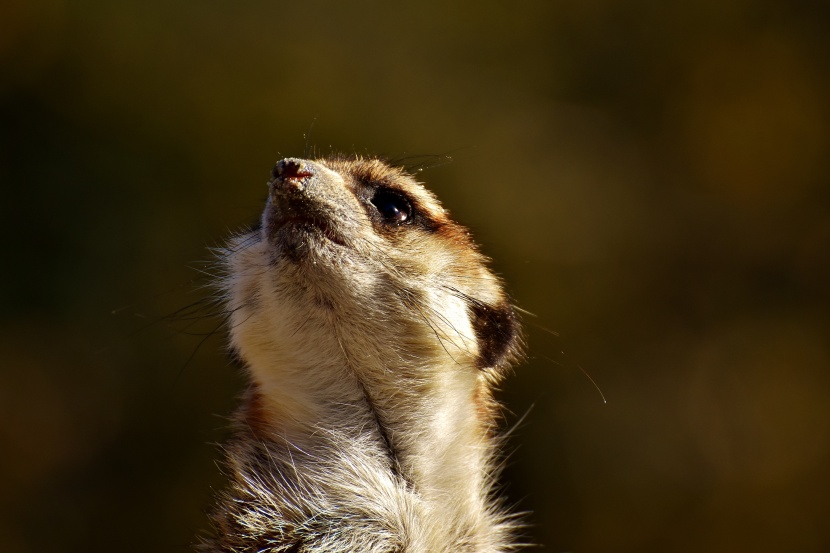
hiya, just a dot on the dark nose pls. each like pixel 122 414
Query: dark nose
pixel 292 169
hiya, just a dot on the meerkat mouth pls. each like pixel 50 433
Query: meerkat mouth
pixel 309 224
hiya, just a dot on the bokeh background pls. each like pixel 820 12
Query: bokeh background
pixel 651 178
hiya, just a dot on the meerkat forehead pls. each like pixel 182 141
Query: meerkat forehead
pixel 345 239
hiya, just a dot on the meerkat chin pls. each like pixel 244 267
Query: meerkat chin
pixel 372 332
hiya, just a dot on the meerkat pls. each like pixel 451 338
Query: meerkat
pixel 372 332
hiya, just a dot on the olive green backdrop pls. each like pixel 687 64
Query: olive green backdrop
pixel 650 177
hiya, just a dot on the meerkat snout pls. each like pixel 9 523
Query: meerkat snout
pixel 291 168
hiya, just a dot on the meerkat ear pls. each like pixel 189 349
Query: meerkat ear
pixel 497 330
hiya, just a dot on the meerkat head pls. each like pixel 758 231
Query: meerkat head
pixel 355 284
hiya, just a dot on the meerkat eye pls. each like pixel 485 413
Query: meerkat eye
pixel 392 206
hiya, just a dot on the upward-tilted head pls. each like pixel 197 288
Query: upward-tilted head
pixel 372 331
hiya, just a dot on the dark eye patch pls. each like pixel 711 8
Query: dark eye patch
pixel 392 209
pixel 393 206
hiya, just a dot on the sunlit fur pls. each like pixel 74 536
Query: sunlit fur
pixel 369 422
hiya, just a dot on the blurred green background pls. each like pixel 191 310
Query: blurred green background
pixel 650 177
